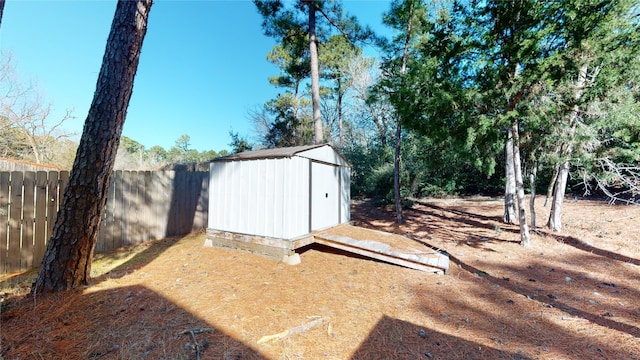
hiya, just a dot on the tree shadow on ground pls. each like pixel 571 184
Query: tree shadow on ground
pixel 484 222
pixel 130 322
pixel 579 244
pixel 549 301
pixel 152 250
pixel 365 211
pixel 397 339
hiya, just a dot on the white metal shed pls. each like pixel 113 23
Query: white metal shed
pixel 269 201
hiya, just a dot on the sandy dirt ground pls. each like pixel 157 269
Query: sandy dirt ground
pixel 570 295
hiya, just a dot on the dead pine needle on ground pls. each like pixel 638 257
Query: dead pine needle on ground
pixel 568 296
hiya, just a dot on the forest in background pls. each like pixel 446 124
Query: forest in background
pixel 445 91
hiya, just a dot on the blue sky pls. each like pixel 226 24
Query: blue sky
pixel 203 65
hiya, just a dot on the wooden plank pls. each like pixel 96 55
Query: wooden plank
pixel 118 210
pixel 28 220
pixel 15 222
pixel 125 217
pixel 4 219
pixel 167 205
pixel 62 183
pixel 40 228
pixel 105 234
pixel 179 186
pixel 133 235
pixel 52 201
pixel 430 262
pixel 200 221
pixel 146 217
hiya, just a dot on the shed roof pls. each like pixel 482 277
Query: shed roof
pixel 285 152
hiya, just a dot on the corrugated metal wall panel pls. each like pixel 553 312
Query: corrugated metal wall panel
pixel 296 202
pixel 345 196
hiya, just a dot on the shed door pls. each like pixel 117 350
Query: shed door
pixel 325 195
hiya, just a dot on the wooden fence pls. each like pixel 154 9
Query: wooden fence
pixel 142 205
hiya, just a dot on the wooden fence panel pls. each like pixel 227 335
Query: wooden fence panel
pixel 4 220
pixel 28 220
pixel 141 206
pixel 15 221
pixel 40 228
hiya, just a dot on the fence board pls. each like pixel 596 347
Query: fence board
pixel 126 207
pixel 15 221
pixel 162 206
pixel 52 200
pixel 62 184
pixel 28 219
pixel 4 219
pixel 144 217
pixel 118 210
pixel 133 230
pixel 40 228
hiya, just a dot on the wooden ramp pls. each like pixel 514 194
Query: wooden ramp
pixel 391 248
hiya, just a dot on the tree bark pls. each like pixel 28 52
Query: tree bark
pixel 67 261
pixel 396 175
pixel 552 183
pixel 509 216
pixel 315 76
pixel 532 200
pixel 1 12
pixel 555 215
pixel 525 237
pixel 396 158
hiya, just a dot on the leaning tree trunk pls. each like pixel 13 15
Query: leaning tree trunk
pixel 1 11
pixel 552 183
pixel 67 261
pixel 555 216
pixel 509 215
pixel 525 237
pixel 315 76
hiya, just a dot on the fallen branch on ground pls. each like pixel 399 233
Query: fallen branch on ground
pixel 193 333
pixel 295 330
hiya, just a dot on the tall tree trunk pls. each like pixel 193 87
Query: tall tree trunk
pixel 396 175
pixel 509 216
pixel 555 215
pixel 318 137
pixel 532 200
pixel 552 183
pixel 525 237
pixel 339 105
pixel 67 261
pixel 396 158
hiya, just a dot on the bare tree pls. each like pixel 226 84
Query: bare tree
pixel 26 125
pixel 67 261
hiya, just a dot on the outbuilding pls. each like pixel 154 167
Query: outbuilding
pixel 270 201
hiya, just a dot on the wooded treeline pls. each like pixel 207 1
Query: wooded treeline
pixel 494 97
